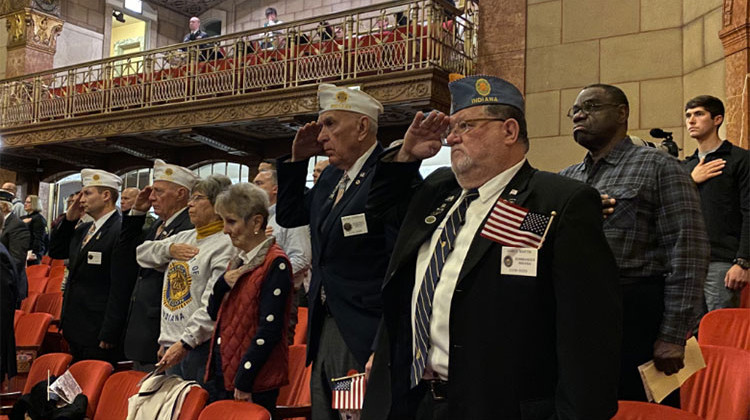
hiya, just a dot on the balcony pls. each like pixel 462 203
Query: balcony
pixel 244 94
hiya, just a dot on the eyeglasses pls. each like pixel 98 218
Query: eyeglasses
pixel 465 126
pixel 197 198
pixel 587 108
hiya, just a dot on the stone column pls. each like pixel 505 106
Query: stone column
pixel 735 36
pixel 502 40
pixel 33 27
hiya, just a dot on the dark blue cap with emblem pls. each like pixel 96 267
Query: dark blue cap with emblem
pixel 6 196
pixel 483 90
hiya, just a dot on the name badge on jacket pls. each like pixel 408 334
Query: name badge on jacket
pixel 94 258
pixel 353 225
pixel 519 261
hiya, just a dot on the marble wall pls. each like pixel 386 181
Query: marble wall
pixel 659 52
pixel 77 44
pixel 3 50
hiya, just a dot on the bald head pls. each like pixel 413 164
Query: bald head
pixel 10 187
pixel 127 198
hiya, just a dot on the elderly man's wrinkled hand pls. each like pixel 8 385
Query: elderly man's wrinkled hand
pixel 669 357
pixel 423 139
pixel 306 143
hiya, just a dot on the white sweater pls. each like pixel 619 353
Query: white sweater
pixel 187 284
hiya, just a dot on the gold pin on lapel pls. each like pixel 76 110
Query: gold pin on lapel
pixel 430 219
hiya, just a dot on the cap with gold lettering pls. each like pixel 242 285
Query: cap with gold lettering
pixel 483 90
pixel 99 178
pixel 173 173
pixel 332 97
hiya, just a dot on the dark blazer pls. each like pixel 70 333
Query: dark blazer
pixel 8 299
pixel 38 228
pixel 88 299
pixel 143 286
pixel 16 237
pixel 350 268
pixel 541 347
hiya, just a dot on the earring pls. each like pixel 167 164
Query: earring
pixel 256 232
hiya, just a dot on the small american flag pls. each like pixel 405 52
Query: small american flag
pixel 348 392
pixel 515 226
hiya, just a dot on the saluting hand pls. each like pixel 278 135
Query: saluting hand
pixel 75 210
pixel 423 139
pixel 305 143
pixel 183 252
pixel 142 201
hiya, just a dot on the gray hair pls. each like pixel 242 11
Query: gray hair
pixel 212 186
pixel 243 200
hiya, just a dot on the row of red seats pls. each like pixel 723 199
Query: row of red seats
pixel 108 395
pixel 721 391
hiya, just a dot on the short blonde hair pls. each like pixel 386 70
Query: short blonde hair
pixel 36 205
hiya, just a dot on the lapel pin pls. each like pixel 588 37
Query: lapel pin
pixel 99 235
pixel 513 191
pixel 430 219
pixel 347 226
pixel 450 198
pixel 356 182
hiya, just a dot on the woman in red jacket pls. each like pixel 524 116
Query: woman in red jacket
pixel 250 303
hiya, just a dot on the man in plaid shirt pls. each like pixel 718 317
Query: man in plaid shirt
pixel 655 229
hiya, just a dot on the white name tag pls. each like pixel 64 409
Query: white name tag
pixel 94 258
pixel 519 261
pixel 353 225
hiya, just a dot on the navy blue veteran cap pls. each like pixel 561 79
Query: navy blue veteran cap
pixel 483 90
pixel 6 196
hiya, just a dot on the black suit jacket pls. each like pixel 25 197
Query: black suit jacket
pixel 143 285
pixel 351 268
pixel 520 347
pixel 8 299
pixel 38 228
pixel 16 237
pixel 89 303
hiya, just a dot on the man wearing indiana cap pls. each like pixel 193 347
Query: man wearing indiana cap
pixel 141 316
pixel 87 313
pixel 501 297
pixel 349 247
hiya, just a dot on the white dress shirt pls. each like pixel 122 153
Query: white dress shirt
pixel 438 358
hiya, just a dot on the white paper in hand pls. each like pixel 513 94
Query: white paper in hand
pixel 66 387
pixel 658 385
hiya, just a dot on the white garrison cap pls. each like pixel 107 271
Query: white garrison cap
pixel 333 97
pixel 99 178
pixel 173 173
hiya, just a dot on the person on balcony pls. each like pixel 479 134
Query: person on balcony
pixel 272 39
pixel 205 50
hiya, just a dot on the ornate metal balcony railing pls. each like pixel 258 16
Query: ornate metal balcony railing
pixel 389 37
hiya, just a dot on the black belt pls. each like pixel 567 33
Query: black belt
pixel 438 388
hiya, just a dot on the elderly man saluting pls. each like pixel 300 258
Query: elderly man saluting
pixel 501 298
pixel 349 247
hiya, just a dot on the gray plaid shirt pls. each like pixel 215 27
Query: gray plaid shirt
pixel 656 228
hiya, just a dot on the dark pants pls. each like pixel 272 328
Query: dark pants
pixel 86 352
pixel 217 391
pixel 643 309
pixel 333 360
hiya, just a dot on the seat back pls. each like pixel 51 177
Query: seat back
pixel 37 284
pixel 726 327
pixel 297 392
pixel 91 375
pixel 113 403
pixel 55 263
pixel 39 270
pixel 54 363
pixel 234 410
pixel 720 391
pixel 745 297
pixel 31 329
pixel 193 404
pixel 54 285
pixel 46 260
pixel 637 410
pixel 28 304
pixel 58 270
pixel 16 317
pixel 50 303
pixel 300 331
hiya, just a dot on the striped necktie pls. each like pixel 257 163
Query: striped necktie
pixel 89 235
pixel 423 311
pixel 341 188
